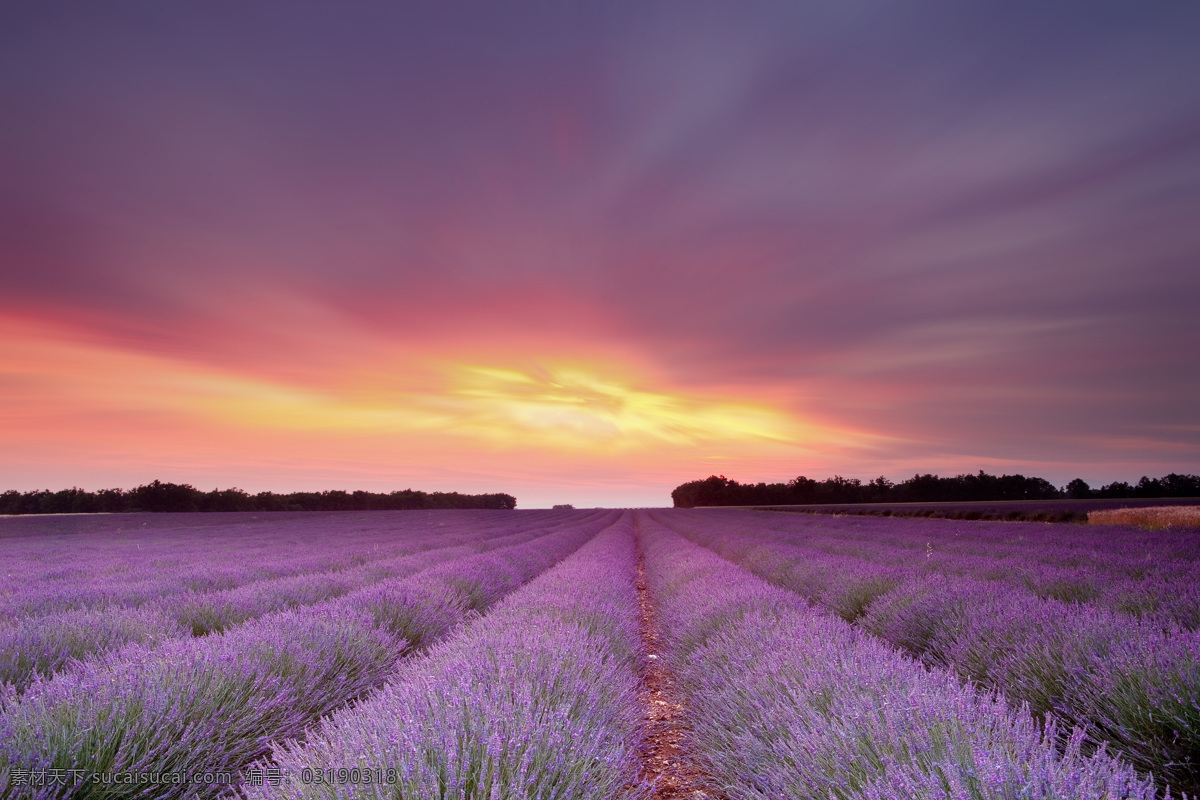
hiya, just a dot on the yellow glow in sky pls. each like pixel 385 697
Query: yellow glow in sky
pixel 444 420
pixel 562 407
pixel 575 408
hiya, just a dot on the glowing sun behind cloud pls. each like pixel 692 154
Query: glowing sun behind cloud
pixel 575 408
pixel 433 419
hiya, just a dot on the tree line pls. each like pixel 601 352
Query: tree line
pixel 158 496
pixel 717 490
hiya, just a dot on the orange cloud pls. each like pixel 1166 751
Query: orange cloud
pixel 459 418
pixel 573 407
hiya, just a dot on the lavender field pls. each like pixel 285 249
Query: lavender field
pixel 530 654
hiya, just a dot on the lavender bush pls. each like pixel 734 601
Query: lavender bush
pixel 788 702
pixel 452 650
pixel 1125 569
pixel 101 567
pixel 193 707
pixel 1131 684
pixel 210 705
pixel 41 645
pixel 206 612
pixel 45 645
pixel 536 700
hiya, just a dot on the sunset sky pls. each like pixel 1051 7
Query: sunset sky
pixel 584 252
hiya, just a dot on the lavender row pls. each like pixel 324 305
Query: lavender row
pixel 1110 549
pixel 536 700
pixel 120 544
pixel 789 702
pixel 98 569
pixel 1127 570
pixel 103 566
pixel 336 545
pixel 208 612
pixel 1169 596
pixel 210 705
pixel 38 646
pixel 46 643
pixel 1148 584
pixel 1130 683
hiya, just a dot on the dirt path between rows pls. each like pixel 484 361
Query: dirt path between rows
pixel 664 761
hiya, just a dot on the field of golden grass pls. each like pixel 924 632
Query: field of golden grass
pixel 1152 518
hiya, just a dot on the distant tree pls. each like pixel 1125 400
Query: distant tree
pixel 712 491
pixel 803 490
pixel 1174 485
pixel 1078 489
pixel 1115 489
pixel 112 501
pixel 717 490
pixel 1148 487
pixel 158 496
pixel 227 500
pixel 983 486
pixel 564 507
pixel 1040 489
pixel 843 490
pixel 879 490
pixel 12 502
pixel 919 489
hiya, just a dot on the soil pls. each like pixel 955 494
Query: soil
pixel 665 763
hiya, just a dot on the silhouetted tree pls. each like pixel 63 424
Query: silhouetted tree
pixel 1174 485
pixel 1078 489
pixel 1148 487
pixel 879 490
pixel 1115 489
pixel 717 490
pixel 159 496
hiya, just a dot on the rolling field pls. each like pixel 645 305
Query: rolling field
pixel 595 654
